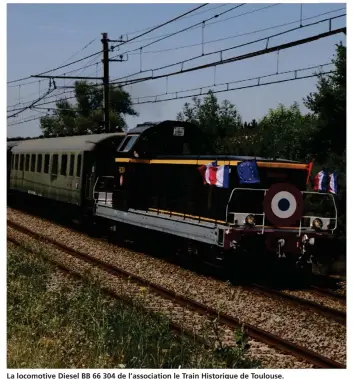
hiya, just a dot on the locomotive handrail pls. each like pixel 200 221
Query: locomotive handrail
pixel 334 205
pixel 94 188
pixel 247 189
pixel 263 214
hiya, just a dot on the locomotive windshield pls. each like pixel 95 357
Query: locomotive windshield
pixel 127 143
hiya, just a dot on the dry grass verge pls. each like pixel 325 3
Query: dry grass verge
pixel 55 321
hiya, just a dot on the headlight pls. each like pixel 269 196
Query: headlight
pixel 317 223
pixel 250 220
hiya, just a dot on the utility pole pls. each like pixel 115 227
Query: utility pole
pixel 105 61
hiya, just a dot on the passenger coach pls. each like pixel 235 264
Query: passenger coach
pixel 63 169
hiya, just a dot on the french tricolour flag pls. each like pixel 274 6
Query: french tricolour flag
pixel 320 181
pixel 216 175
pixel 332 183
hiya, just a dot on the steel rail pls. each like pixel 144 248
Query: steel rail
pixel 332 313
pixel 252 331
pixel 328 293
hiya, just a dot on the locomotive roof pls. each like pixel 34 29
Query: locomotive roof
pixel 72 143
pixel 141 128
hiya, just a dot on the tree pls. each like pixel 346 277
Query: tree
pixel 86 116
pixel 329 104
pixel 250 125
pixel 220 122
pixel 285 133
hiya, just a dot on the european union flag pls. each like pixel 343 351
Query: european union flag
pixel 248 172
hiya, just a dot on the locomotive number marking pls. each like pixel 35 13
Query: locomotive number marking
pixel 178 131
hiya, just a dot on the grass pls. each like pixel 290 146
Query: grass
pixel 55 321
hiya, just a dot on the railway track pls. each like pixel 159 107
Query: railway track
pixel 258 334
pixel 328 293
pixel 332 313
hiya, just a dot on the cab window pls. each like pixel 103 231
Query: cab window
pixel 127 144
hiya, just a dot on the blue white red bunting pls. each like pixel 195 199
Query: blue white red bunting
pixel 323 182
pixel 320 181
pixel 214 175
pixel 333 184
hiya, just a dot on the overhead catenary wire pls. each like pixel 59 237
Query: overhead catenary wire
pixel 61 66
pixel 188 27
pixel 193 45
pixel 65 73
pixel 26 120
pixel 58 87
pixel 99 52
pixel 198 25
pixel 238 88
pixel 184 17
pixel 179 92
pixel 236 35
pixel 50 90
pixel 266 50
pixel 229 60
pixel 227 84
pixel 161 25
pixel 228 89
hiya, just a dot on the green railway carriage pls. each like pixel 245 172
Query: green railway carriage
pixel 62 169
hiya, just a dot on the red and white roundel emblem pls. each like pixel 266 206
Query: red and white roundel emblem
pixel 283 204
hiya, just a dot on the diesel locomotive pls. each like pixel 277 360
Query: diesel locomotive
pixel 164 177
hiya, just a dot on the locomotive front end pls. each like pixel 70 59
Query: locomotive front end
pixel 290 224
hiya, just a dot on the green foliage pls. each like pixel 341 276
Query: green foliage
pixel 285 133
pixel 329 105
pixel 86 116
pixel 220 122
pixel 54 321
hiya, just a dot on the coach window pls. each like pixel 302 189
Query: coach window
pixel 39 163
pixel 27 162
pixel 64 164
pixel 21 162
pixel 33 162
pixel 71 167
pixel 16 162
pixel 46 163
pixel 78 166
pixel 55 164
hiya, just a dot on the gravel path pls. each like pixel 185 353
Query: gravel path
pixel 299 325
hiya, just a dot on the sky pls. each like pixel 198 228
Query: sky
pixel 44 36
